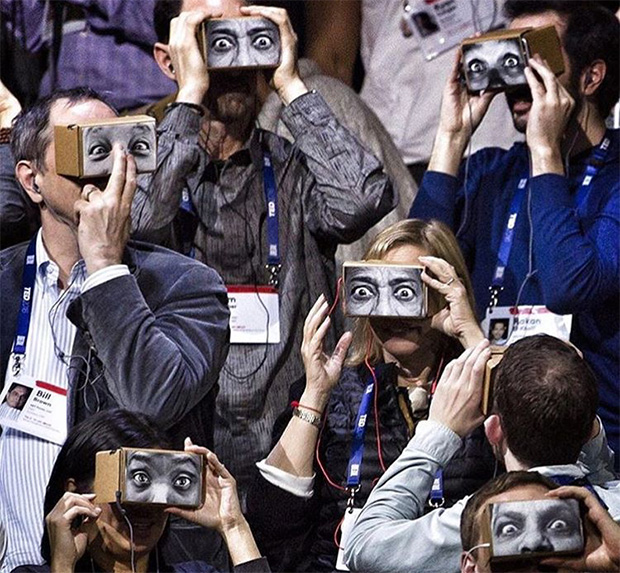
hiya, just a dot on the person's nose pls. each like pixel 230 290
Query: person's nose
pixel 495 78
pixel 384 303
pixel 159 493
pixel 244 57
pixel 535 542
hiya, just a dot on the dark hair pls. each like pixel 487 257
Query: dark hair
pixel 31 134
pixel 164 11
pixel 470 526
pixel 546 397
pixel 591 34
pixel 105 430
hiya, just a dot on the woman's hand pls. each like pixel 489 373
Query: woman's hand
pixel 457 319
pixel 322 371
pixel 68 542
pixel 221 510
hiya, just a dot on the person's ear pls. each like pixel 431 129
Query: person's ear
pixel 71 486
pixel 593 77
pixel 468 563
pixel 494 432
pixel 26 175
pixel 161 53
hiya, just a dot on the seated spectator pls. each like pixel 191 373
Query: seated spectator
pixel 327 189
pixel 602 533
pixel 304 485
pixel 552 203
pixel 544 413
pixel 102 539
pixel 103 44
pixel 101 321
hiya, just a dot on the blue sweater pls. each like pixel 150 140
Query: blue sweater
pixel 574 254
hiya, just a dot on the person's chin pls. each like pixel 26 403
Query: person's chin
pixel 519 101
pixel 234 106
pixel 519 120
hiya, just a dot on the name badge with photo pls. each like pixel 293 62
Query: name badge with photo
pixel 34 407
pixel 504 325
pixel 254 314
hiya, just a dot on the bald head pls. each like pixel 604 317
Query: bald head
pixel 229 8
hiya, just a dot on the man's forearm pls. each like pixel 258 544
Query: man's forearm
pixel 395 511
pixel 173 352
pixel 158 197
pixel 447 153
pixel 351 193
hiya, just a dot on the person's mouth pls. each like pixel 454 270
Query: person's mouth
pixel 401 330
pixel 521 107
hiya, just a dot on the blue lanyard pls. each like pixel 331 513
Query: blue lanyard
pixel 594 166
pixel 436 498
pixel 189 221
pixel 503 255
pixel 354 470
pixel 273 233
pixel 25 309
pixel 596 162
pixel 188 224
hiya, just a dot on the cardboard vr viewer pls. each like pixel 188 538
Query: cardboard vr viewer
pixel 84 149
pixel 150 476
pixel 240 43
pixel 497 60
pixel 385 290
pixel 532 529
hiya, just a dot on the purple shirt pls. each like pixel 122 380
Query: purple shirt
pixel 111 50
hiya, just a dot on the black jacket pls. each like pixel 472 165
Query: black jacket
pixel 297 534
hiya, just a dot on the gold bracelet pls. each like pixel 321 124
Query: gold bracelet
pixel 307 417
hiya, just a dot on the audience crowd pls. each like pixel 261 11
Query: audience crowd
pixel 201 309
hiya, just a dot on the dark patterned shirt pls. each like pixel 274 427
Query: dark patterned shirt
pixel 330 190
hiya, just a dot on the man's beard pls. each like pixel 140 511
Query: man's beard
pixel 232 97
pixel 234 107
pixel 523 94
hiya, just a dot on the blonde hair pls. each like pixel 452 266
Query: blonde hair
pixel 438 240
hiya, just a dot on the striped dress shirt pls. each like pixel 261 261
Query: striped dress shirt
pixel 26 461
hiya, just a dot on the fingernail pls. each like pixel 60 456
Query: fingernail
pixel 97 510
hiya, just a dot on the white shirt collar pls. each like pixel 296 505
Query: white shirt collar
pixel 48 271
